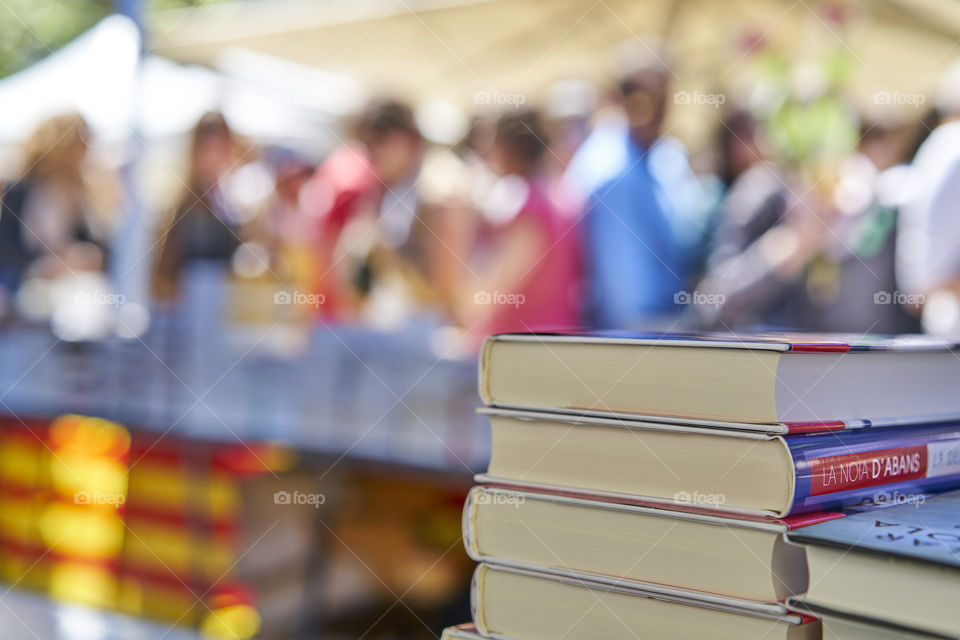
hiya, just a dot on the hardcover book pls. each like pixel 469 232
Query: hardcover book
pixel 843 626
pixel 656 549
pixel 828 381
pixel 897 565
pixel 740 471
pixel 514 602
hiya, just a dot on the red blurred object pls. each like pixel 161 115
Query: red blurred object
pixel 343 185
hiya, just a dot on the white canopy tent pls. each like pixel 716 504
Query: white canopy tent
pixel 95 75
pixel 98 76
pixel 449 50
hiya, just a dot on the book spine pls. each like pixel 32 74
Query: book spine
pixel 795 428
pixel 831 473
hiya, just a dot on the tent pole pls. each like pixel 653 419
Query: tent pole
pixel 130 273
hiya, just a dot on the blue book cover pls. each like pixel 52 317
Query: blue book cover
pixel 882 467
pixel 925 529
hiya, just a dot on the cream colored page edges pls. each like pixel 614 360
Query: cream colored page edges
pixel 641 547
pixel 537 609
pixel 753 474
pixel 706 383
pixel 913 594
pixel 483 370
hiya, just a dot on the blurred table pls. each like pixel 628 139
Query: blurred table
pixel 336 391
pixel 29 616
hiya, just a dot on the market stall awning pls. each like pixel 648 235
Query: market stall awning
pixel 451 49
pixel 99 76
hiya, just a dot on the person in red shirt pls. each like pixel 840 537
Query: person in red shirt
pixel 528 277
pixel 362 194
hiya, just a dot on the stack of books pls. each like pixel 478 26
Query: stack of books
pixel 894 573
pixel 645 486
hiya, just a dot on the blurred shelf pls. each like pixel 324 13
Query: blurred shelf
pixel 343 391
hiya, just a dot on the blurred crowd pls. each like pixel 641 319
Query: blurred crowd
pixel 580 211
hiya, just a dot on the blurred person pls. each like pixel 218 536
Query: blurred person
pixel 740 147
pixel 475 149
pixel 740 272
pixel 570 107
pixel 928 260
pixel 816 261
pixel 852 287
pixel 525 272
pixel 204 224
pixel 931 120
pixel 424 274
pixel 286 214
pixel 641 203
pixel 55 216
pixel 362 194
pixel 281 226
pixel 568 111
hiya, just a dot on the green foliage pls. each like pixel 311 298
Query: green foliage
pixel 814 131
pixel 809 126
pixel 31 29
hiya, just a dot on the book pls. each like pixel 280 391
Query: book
pixel 825 381
pixel 842 626
pixel 514 602
pixel 738 471
pixel 899 565
pixel 661 550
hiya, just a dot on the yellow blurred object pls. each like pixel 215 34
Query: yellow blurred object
pixel 22 498
pixel 173 602
pixel 25 571
pixel 152 539
pixel 234 622
pixel 166 488
pixel 72 472
pixel 252 301
pixel 20 461
pixel 81 523
pixel 167 549
pixel 90 585
pixel 92 436
pixel 81 531
pixel 18 519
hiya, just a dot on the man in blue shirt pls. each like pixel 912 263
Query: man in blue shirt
pixel 641 199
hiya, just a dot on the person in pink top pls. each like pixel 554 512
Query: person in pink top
pixel 528 274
